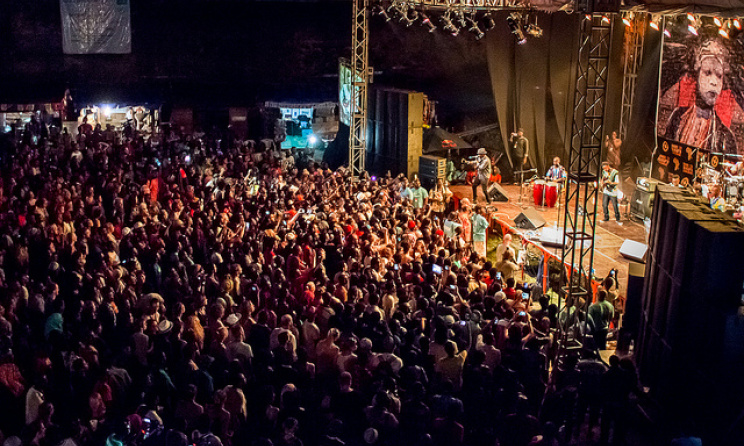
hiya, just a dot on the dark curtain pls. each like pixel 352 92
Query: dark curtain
pixel 640 141
pixel 533 84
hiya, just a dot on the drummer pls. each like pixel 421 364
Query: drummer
pixel 556 172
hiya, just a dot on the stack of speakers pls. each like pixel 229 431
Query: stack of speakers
pixel 691 332
pixel 431 169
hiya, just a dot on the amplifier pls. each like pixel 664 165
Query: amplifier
pixel 647 184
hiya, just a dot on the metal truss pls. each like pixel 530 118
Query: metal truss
pixel 473 5
pixel 584 160
pixel 632 58
pixel 360 76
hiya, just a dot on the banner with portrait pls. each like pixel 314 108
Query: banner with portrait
pixel 96 26
pixel 701 93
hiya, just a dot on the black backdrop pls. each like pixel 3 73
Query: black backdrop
pixel 533 83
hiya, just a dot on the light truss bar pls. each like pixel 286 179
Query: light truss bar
pixel 584 160
pixel 359 83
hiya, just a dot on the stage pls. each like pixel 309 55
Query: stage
pixel 609 236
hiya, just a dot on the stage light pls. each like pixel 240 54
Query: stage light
pixel 373 178
pixel 107 110
pixel 717 21
pixel 737 25
pixel 692 29
pixel 379 10
pixel 515 25
pixel 448 25
pixel 460 17
pixel 533 29
pixel 723 33
pixel 605 19
pixel 667 33
pixel 654 24
pixel 475 29
pixel 426 21
pixel 627 22
pixel 588 17
pixel 312 139
pixel 691 17
pixel 488 22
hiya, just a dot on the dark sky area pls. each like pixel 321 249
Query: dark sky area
pixel 229 52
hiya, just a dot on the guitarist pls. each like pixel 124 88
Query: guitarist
pixel 608 184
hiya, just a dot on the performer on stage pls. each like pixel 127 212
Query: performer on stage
pixel 521 150
pixel 609 181
pixel 482 165
pixel 556 171
pixel 613 144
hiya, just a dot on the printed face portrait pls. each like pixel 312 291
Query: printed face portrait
pixel 710 80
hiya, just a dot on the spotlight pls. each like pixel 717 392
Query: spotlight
pixel 667 33
pixel 533 29
pixel 723 33
pixel 737 25
pixel 691 17
pixel 460 17
pixel 426 21
pixel 488 22
pixel 312 139
pixel 379 10
pixel 475 29
pixel 605 19
pixel 409 17
pixel 717 21
pixel 654 23
pixel 448 25
pixel 692 29
pixel 626 21
pixel 515 25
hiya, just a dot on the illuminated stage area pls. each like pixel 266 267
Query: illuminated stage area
pixel 609 236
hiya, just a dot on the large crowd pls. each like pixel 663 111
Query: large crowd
pixel 198 289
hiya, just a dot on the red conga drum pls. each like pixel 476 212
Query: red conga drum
pixel 538 187
pixel 551 194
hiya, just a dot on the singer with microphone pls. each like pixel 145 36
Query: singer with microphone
pixel 482 165
pixel 521 151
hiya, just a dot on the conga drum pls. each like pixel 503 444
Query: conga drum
pixel 551 193
pixel 538 188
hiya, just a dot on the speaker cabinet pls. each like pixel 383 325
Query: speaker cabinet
pixel 634 251
pixel 529 219
pixel 497 193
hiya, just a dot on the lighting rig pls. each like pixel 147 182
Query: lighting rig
pixel 454 19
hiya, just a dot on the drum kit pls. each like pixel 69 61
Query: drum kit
pixel 730 180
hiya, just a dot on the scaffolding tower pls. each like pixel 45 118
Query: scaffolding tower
pixel 584 164
pixel 360 77
pixel 632 57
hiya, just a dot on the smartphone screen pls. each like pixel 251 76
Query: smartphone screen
pixel 498 275
pixel 436 269
pixel 525 296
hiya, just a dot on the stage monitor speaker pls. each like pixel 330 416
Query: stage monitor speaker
pixel 634 251
pixel 529 219
pixel 552 237
pixel 497 193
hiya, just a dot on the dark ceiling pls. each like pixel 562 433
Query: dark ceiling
pixel 229 52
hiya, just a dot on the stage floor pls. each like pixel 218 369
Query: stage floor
pixel 609 236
